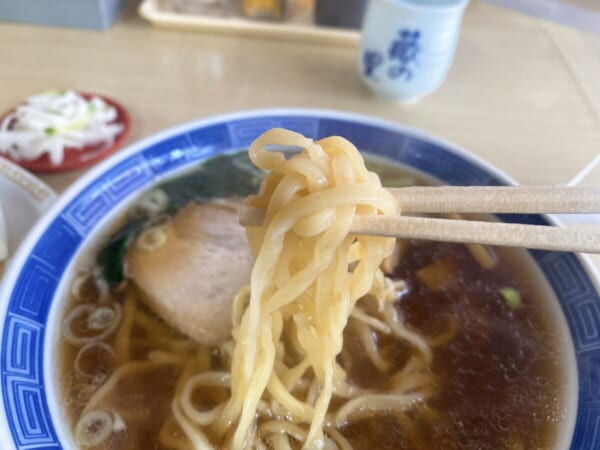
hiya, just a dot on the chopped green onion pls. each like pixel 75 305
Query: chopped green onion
pixel 94 428
pixel 512 297
pixel 49 131
pixel 101 319
pixel 151 239
pixel 153 203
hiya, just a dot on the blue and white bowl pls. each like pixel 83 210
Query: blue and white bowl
pixel 32 295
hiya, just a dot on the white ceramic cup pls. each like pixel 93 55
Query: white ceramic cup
pixel 407 46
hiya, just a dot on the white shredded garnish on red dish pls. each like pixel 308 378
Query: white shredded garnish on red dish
pixel 51 122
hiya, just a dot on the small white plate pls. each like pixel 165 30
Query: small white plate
pixel 23 198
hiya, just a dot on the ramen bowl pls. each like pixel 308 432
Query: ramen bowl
pixel 36 286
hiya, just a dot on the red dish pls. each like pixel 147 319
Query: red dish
pixel 77 158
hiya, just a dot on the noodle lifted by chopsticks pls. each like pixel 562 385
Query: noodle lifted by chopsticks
pixel 302 275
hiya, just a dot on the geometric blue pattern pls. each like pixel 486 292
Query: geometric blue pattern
pixel 33 424
pixel 587 431
pixel 53 252
pixel 30 295
pixel 33 291
pixel 90 207
pixel 24 336
pixel 578 297
pixel 589 386
pixel 168 154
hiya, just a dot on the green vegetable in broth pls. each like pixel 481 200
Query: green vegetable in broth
pixel 512 297
pixel 111 257
pixel 220 177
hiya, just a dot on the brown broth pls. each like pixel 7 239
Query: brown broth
pixel 143 400
pixel 500 379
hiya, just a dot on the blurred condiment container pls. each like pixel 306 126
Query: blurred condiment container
pixel 407 46
pixel 264 9
pixel 340 13
pixel 94 14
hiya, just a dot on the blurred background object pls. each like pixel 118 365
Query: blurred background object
pixel 93 14
pixel 583 14
pixel 296 23
pixel 217 7
pixel 340 13
pixel 264 9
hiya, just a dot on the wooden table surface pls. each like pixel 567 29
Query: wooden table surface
pixel 523 93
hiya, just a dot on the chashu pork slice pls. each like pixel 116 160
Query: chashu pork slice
pixel 192 278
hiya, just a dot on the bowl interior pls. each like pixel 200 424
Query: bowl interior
pixel 29 302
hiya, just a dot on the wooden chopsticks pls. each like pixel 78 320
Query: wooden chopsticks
pixel 572 239
pixel 482 199
pixel 498 199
